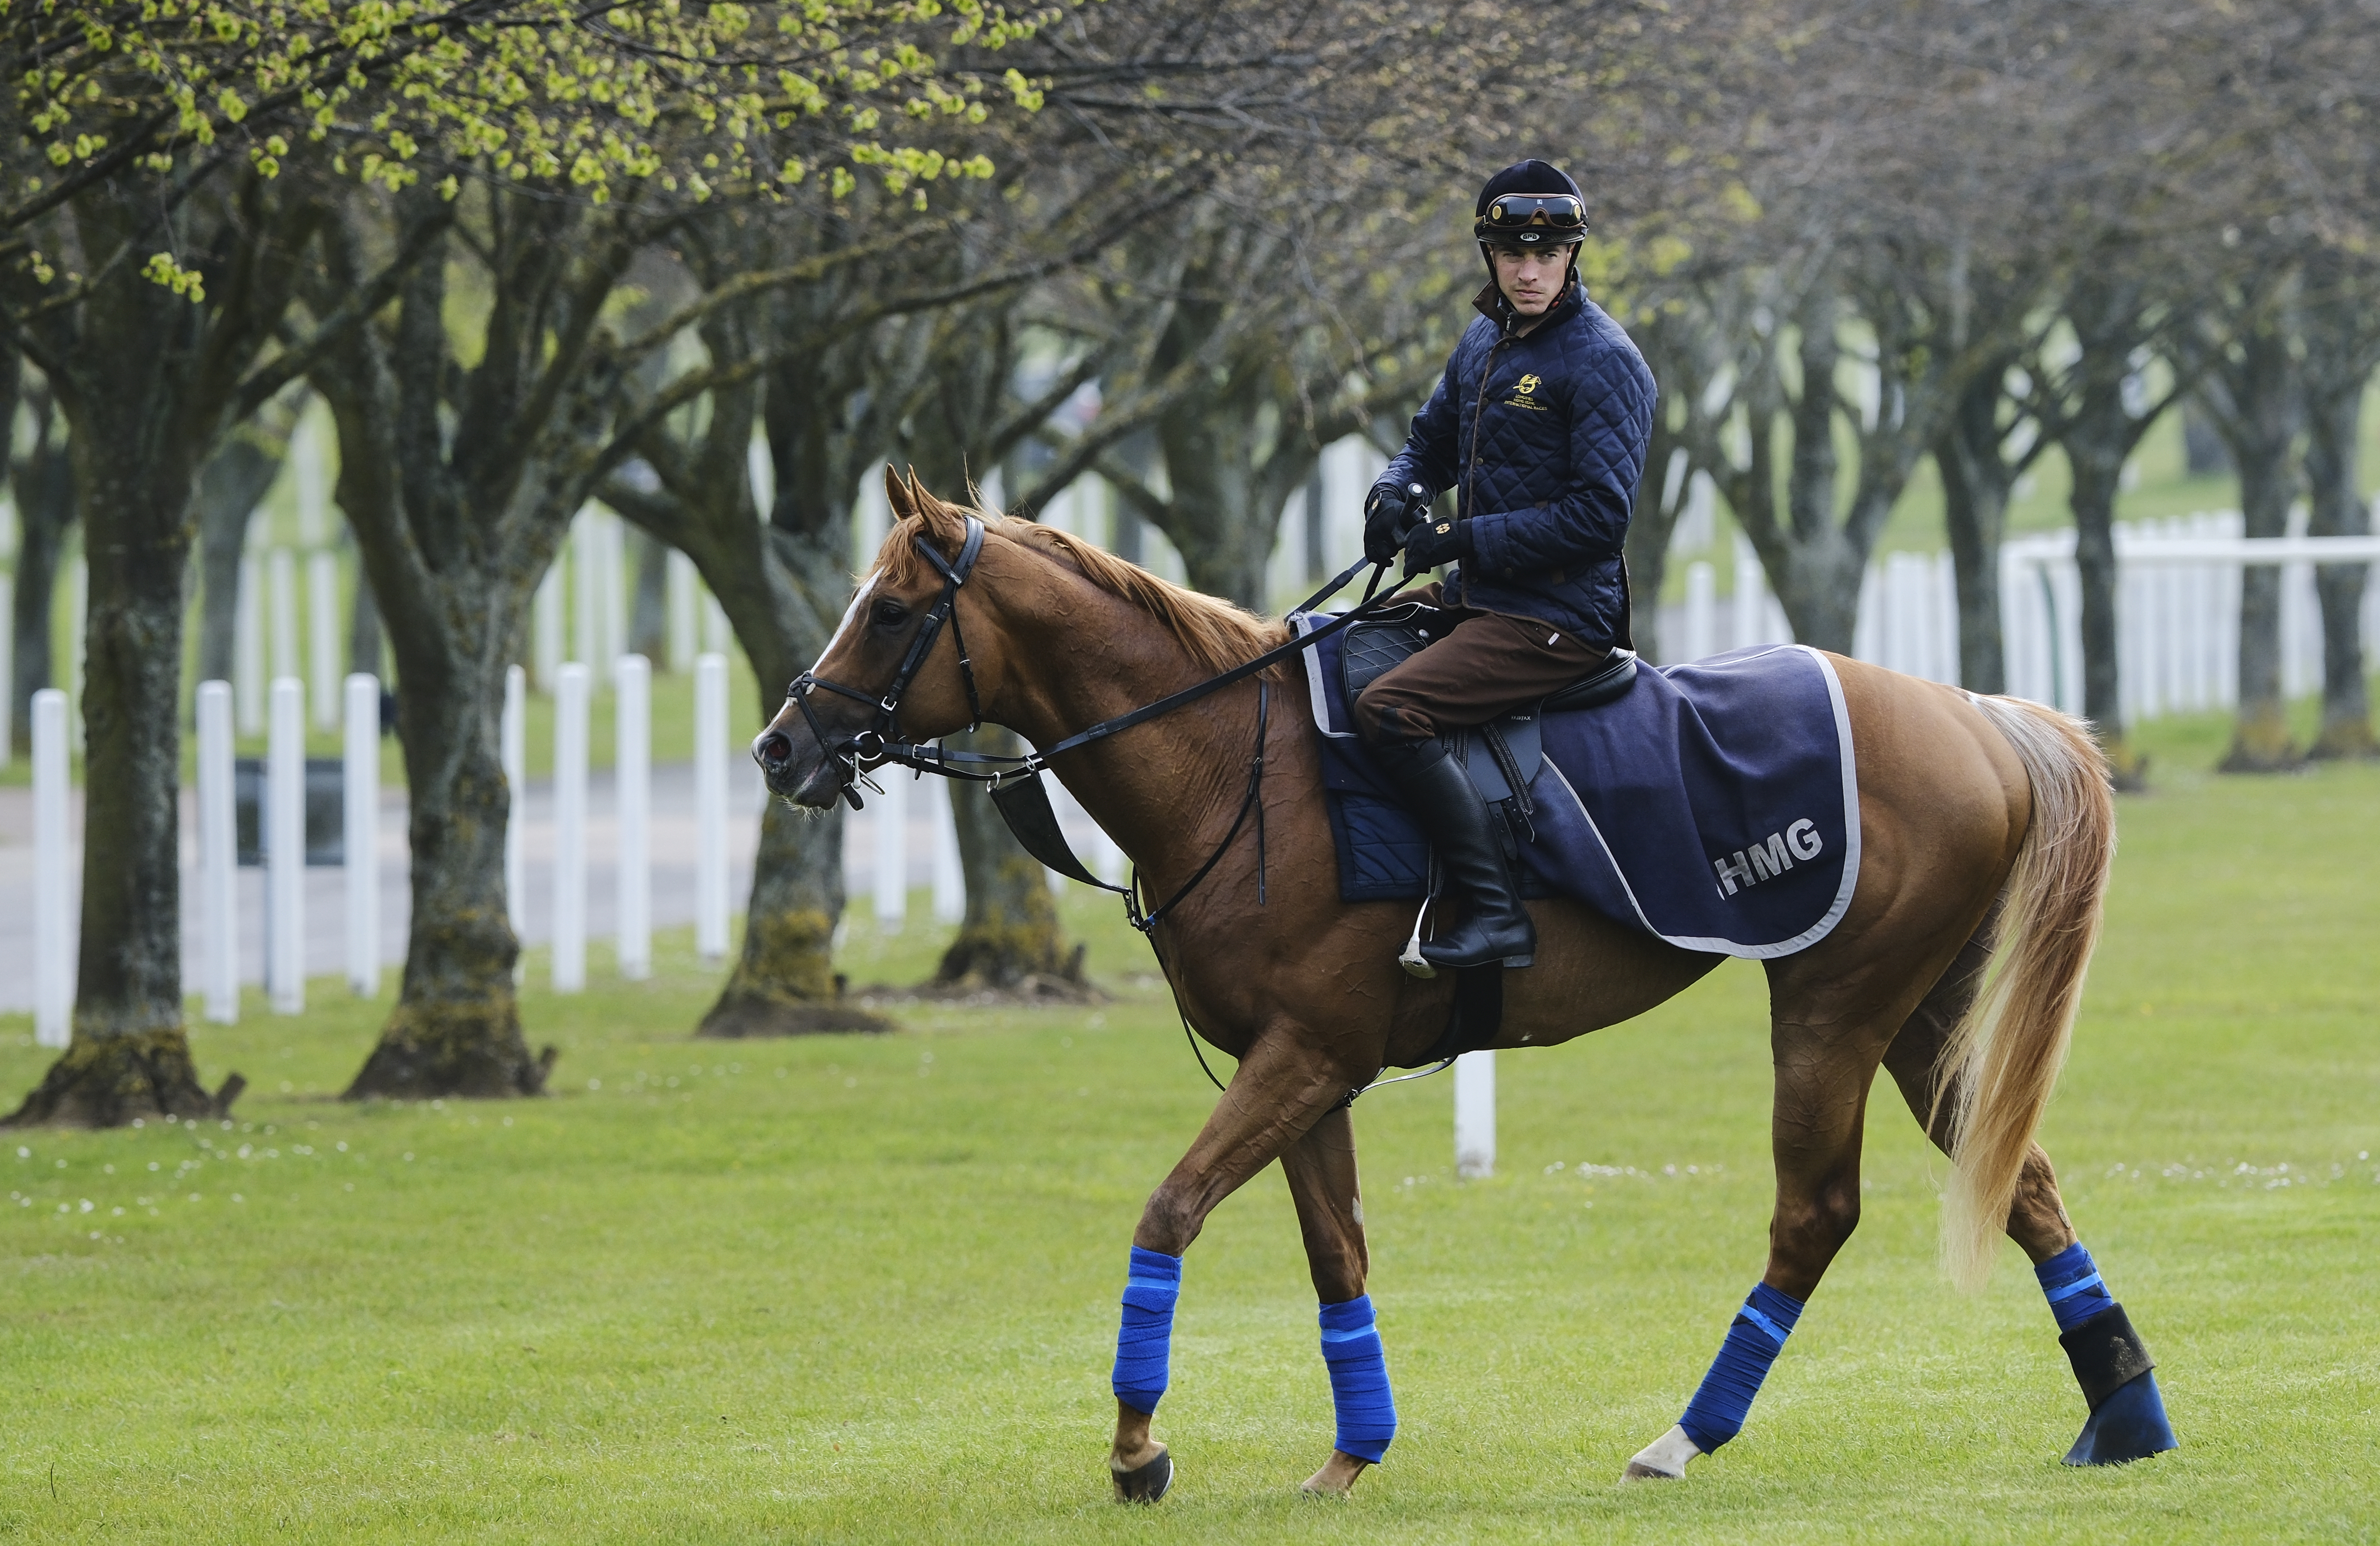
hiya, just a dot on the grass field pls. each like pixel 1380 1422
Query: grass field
pixel 864 1288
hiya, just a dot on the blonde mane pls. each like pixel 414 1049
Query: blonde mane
pixel 1217 634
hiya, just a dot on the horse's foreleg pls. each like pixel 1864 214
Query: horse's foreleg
pixel 1320 1168
pixel 2128 1419
pixel 1822 1083
pixel 1279 1091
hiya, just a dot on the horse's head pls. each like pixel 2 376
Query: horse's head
pixel 856 695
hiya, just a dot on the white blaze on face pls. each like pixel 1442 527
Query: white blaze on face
pixel 840 628
pixel 858 601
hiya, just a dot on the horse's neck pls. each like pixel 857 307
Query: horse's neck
pixel 1163 791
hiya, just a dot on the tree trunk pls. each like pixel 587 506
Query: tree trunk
pixel 44 481
pixel 779 575
pixel 134 466
pixel 1818 581
pixel 2097 477
pixel 2334 406
pixel 456 528
pixel 1650 528
pixel 1975 484
pixel 235 479
pixel 457 1027
pixel 1010 937
pixel 364 630
pixel 2098 434
pixel 649 612
pixel 2259 416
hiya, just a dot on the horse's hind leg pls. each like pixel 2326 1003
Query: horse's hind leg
pixel 1320 1168
pixel 1826 1044
pixel 2127 1420
pixel 2037 1222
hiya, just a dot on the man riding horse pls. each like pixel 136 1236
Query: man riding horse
pixel 1539 425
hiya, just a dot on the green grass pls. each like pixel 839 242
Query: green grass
pixel 864 1288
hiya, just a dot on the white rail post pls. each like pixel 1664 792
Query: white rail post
pixel 1475 1113
pixel 615 584
pixel 248 648
pixel 285 847
pixel 570 829
pixel 78 642
pixel 950 875
pixel 1751 600
pixel 52 969
pixel 545 626
pixel 582 587
pixel 709 801
pixel 632 781
pixel 218 852
pixel 678 595
pixel 892 849
pixel 7 674
pixel 1702 613
pixel 282 566
pixel 322 637
pixel 360 805
pixel 512 748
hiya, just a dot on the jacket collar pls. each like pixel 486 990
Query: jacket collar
pixel 1491 303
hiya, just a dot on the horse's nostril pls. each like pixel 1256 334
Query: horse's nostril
pixel 776 751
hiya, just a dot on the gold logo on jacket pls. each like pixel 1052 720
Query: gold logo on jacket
pixel 1524 394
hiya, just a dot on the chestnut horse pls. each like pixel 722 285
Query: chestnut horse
pixel 1980 818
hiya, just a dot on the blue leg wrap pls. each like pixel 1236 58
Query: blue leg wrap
pixel 1359 1379
pixel 1145 1340
pixel 1757 1336
pixel 2128 1420
pixel 2072 1283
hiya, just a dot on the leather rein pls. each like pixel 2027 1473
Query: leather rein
pixel 1015 782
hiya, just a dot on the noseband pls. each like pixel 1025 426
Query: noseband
pixel 872 744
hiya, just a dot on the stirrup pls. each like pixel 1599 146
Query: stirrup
pixel 1413 962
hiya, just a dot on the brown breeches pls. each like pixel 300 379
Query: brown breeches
pixel 1487 664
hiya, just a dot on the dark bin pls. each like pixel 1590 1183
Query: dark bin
pixel 326 828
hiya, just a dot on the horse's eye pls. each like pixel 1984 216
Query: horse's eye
pixel 890 615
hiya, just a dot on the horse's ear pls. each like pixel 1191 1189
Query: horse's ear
pixel 900 496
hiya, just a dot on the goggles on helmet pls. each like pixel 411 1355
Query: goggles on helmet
pixel 1531 219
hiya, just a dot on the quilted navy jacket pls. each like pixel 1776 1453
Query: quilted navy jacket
pixel 1544 438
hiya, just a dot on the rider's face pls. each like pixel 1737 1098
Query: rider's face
pixel 1531 279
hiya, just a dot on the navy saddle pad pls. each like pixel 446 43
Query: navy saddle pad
pixel 1714 805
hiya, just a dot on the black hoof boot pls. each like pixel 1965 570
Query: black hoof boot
pixel 1470 854
pixel 2128 1419
pixel 1145 1483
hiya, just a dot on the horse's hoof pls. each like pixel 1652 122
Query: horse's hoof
pixel 1337 1477
pixel 2129 1425
pixel 1662 1460
pixel 1145 1483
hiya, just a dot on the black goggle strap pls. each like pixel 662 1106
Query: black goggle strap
pixel 1516 212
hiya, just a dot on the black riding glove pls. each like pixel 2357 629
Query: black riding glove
pixel 1384 521
pixel 1435 542
pixel 1388 510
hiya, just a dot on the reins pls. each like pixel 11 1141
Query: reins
pixel 1015 782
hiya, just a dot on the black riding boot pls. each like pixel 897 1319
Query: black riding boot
pixel 1470 854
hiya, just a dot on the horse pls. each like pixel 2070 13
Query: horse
pixel 1987 830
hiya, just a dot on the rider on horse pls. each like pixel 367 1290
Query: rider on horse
pixel 1540 425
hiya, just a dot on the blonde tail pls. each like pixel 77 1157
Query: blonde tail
pixel 2003 1059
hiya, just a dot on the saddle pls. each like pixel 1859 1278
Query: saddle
pixel 1502 755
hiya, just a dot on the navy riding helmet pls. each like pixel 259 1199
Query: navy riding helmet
pixel 1529 204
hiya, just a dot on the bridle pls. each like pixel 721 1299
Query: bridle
pixel 875 744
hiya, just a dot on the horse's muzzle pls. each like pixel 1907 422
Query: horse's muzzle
pixel 810 782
